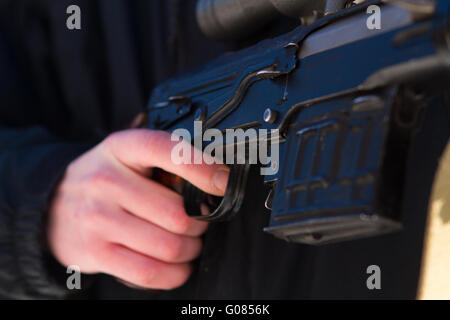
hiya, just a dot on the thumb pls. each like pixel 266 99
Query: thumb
pixel 140 149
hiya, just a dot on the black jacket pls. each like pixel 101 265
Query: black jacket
pixel 62 91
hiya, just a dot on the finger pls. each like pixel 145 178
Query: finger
pixel 141 270
pixel 154 203
pixel 141 148
pixel 148 239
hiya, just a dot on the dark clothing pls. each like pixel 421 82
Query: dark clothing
pixel 62 91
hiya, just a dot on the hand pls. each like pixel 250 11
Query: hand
pixel 108 217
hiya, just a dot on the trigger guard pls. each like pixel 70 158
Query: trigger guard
pixel 230 203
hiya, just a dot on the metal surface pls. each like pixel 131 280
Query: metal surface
pixel 270 115
pixel 234 19
pixel 353 29
pixel 335 6
pixel 342 97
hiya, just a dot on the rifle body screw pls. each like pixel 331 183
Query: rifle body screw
pixel 270 116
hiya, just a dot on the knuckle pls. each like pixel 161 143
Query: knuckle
pixel 99 180
pixel 180 276
pixel 145 276
pixel 173 249
pixel 96 251
pixel 112 138
pixel 113 141
pixel 181 223
pixel 155 138
pixel 93 218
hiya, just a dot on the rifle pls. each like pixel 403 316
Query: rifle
pixel 342 102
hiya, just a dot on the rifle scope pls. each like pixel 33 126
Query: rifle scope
pixel 234 19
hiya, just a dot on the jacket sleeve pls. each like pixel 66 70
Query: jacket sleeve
pixel 31 163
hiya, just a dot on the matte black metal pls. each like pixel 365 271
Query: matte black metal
pixel 221 209
pixel 346 114
pixel 234 19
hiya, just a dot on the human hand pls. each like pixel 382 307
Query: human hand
pixel 108 217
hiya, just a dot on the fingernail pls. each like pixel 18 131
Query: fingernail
pixel 220 178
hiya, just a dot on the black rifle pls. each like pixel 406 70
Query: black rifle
pixel 346 101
